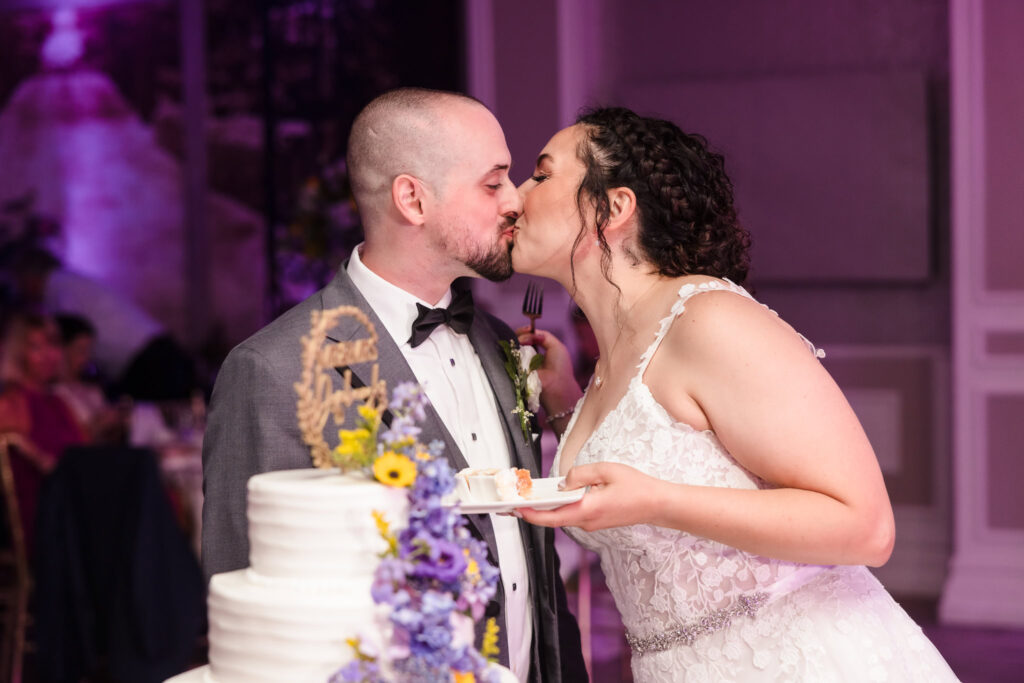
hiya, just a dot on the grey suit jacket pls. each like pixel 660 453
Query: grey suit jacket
pixel 252 428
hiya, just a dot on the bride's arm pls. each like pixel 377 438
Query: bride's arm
pixel 780 414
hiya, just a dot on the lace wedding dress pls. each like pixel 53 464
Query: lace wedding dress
pixel 697 610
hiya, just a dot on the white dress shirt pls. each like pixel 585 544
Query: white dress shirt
pixel 448 369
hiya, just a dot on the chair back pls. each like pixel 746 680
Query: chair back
pixel 14 563
pixel 12 513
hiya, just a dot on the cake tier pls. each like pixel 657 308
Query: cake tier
pixel 317 526
pixel 265 630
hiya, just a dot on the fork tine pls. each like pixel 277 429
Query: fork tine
pixel 533 303
pixel 529 303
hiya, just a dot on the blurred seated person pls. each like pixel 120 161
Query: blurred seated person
pixel 101 421
pixel 29 408
pixel 135 353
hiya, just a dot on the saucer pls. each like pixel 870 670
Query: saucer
pixel 544 496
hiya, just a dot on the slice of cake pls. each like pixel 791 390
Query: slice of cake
pixel 493 484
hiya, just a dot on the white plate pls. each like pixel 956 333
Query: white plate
pixel 544 496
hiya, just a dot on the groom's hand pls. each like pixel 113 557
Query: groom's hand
pixel 559 392
pixel 619 495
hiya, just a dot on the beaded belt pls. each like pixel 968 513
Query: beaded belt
pixel 745 605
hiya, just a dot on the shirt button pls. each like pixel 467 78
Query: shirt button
pixel 452 361
pixel 513 586
pixel 473 434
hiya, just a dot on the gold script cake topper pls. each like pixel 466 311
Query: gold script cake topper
pixel 317 399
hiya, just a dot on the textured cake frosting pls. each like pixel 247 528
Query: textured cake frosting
pixel 313 548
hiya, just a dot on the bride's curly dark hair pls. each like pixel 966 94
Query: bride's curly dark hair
pixel 688 223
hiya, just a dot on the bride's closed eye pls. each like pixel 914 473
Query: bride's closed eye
pixel 539 177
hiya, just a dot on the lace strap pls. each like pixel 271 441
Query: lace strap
pixel 686 292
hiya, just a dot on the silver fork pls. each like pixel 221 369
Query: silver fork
pixel 533 304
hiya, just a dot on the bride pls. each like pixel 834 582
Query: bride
pixel 734 497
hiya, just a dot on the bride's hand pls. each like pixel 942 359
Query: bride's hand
pixel 560 390
pixel 619 495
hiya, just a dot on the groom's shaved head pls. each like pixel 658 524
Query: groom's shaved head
pixel 409 130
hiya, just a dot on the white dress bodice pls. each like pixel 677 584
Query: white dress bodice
pixel 696 609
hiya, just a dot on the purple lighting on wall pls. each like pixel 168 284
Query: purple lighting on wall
pixel 64 46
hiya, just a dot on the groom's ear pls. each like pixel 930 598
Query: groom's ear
pixel 407 194
pixel 621 207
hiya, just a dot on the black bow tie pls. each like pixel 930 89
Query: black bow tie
pixel 458 316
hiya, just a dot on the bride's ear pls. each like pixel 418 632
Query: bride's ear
pixel 621 207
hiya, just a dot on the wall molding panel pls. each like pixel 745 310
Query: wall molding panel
pixel 986 579
pixel 901 396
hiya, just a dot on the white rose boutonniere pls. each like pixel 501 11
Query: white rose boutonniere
pixel 521 363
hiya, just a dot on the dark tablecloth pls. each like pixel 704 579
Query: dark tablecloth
pixel 118 590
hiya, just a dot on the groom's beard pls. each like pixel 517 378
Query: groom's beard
pixel 495 265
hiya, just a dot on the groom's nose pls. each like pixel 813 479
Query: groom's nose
pixel 511 202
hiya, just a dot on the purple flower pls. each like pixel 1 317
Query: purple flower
pixel 468 659
pixel 422 671
pixel 434 637
pixel 437 606
pixel 437 481
pixel 402 427
pixel 387 579
pixel 408 618
pixel 408 399
pixel 440 522
pixel 358 671
pixel 446 562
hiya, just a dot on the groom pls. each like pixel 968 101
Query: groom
pixel 429 171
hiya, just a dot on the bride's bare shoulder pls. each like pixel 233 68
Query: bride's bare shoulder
pixel 718 322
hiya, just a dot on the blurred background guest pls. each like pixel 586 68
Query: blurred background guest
pixel 135 353
pixel 77 383
pixel 30 408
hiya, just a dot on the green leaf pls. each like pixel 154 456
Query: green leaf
pixel 536 362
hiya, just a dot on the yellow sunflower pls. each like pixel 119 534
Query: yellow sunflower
pixel 394 469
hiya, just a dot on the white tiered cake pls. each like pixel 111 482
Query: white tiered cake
pixel 313 548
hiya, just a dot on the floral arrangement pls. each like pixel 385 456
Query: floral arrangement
pixel 521 363
pixel 434 576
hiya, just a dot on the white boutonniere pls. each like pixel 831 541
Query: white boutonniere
pixel 521 363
